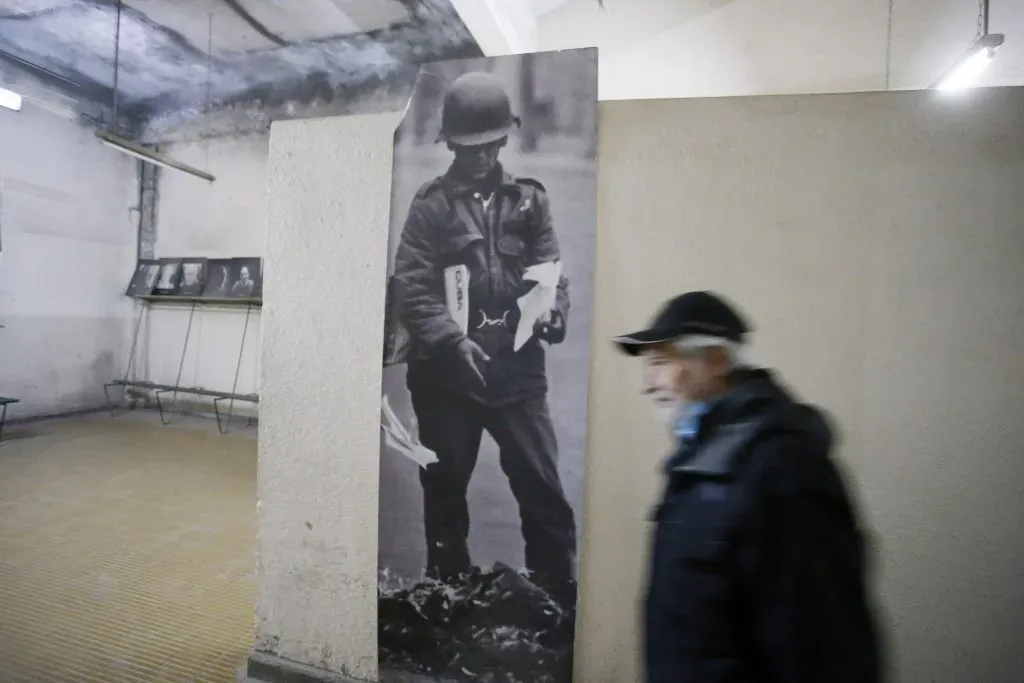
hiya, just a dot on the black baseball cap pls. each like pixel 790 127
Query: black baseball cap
pixel 693 313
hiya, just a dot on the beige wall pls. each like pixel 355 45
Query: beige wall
pixel 878 243
pixel 876 240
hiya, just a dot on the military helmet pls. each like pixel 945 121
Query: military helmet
pixel 476 111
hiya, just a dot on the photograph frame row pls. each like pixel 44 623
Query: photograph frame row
pixel 238 278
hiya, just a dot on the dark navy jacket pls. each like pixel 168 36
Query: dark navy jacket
pixel 758 567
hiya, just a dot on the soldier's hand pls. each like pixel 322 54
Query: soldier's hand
pixel 473 357
pixel 550 328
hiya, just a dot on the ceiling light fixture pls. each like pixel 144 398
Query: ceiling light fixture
pixel 139 152
pixel 10 99
pixel 965 73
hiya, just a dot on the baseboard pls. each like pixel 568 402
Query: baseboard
pixel 264 667
pixel 78 412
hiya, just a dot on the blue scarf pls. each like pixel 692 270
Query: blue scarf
pixel 689 423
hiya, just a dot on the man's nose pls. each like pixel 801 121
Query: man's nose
pixel 649 384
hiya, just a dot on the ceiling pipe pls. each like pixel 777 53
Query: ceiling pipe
pixel 41 70
pixel 256 25
pixel 117 56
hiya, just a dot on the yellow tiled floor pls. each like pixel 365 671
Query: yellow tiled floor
pixel 126 551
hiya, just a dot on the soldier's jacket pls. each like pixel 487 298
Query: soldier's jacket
pixel 496 238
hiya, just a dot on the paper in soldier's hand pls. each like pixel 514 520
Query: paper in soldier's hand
pixel 456 291
pixel 539 301
pixel 400 439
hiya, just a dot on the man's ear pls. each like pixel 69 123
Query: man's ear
pixel 719 361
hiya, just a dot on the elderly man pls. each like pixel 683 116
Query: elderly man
pixel 758 568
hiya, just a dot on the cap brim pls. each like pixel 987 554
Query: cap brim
pixel 633 344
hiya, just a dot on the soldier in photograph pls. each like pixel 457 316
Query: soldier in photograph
pixel 466 377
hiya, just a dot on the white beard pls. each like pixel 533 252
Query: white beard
pixel 669 407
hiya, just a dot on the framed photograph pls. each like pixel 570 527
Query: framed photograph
pixel 491 233
pixel 246 279
pixel 193 277
pixel 170 273
pixel 144 279
pixel 219 278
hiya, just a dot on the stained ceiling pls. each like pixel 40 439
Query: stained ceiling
pixel 175 55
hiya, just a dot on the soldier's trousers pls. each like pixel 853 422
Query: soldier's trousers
pixel 452 426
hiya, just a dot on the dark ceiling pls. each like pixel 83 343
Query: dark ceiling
pixel 176 55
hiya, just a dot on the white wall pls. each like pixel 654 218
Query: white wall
pixel 876 240
pixel 68 251
pixel 222 219
pixel 754 48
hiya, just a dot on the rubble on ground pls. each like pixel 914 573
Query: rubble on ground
pixel 491 626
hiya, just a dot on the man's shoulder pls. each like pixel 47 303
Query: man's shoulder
pixel 431 190
pixel 529 184
pixel 793 451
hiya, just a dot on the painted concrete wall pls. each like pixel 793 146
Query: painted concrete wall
pixel 874 239
pixel 68 250
pixel 221 219
pixel 320 414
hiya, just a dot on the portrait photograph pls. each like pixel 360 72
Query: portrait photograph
pixel 193 276
pixel 218 278
pixel 246 279
pixel 485 370
pixel 144 278
pixel 167 280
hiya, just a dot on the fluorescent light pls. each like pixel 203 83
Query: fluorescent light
pixel 10 99
pixel 139 152
pixel 966 72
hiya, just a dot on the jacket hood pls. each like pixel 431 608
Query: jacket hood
pixel 756 393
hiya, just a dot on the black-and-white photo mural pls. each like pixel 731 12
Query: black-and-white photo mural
pixel 484 406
